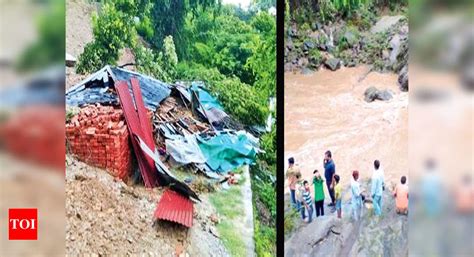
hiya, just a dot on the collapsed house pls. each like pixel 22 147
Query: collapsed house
pixel 137 127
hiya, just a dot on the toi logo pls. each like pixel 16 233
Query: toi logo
pixel 22 224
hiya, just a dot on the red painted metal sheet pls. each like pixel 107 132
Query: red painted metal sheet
pixel 142 114
pixel 176 208
pixel 145 163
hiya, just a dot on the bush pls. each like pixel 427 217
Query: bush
pixel 157 64
pixel 111 34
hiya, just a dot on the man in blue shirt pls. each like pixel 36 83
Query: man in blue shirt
pixel 377 187
pixel 329 171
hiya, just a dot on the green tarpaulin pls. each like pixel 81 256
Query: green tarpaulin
pixel 228 151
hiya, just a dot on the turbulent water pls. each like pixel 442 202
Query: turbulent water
pixel 326 110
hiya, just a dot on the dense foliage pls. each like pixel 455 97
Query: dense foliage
pixel 328 10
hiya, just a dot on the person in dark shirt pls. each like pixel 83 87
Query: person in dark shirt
pixel 329 171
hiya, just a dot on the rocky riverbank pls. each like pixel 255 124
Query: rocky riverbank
pixel 370 236
pixel 381 42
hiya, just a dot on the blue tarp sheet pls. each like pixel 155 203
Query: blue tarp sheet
pixel 206 99
pixel 97 88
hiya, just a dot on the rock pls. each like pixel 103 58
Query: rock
pixel 314 61
pixel 70 60
pixel 308 45
pixel 289 44
pixel 403 79
pixel 306 71
pixel 323 47
pixel 214 218
pixel 333 63
pixel 351 38
pixel 293 32
pixel 395 49
pixel 316 26
pixel 372 93
pixel 385 23
pixel 302 62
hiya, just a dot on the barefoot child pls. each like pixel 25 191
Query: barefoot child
pixel 401 196
pixel 318 193
pixel 338 196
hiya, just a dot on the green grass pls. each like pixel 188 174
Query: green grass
pixel 229 205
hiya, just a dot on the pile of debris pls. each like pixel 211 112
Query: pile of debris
pixel 180 125
pixel 98 135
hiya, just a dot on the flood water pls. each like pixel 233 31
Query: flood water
pixel 326 110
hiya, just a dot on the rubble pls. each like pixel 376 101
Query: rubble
pixel 106 216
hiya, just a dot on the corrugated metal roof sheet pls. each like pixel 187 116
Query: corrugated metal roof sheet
pixel 146 164
pixel 176 208
pixel 97 88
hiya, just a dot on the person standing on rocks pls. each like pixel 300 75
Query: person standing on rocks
pixel 292 175
pixel 318 193
pixel 356 201
pixel 307 201
pixel 300 201
pixel 338 195
pixel 377 187
pixel 329 171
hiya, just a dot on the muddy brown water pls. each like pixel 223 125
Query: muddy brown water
pixel 326 110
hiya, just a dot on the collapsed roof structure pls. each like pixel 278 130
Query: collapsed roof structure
pixel 199 135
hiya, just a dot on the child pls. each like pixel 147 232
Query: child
pixel 401 197
pixel 299 198
pixel 338 196
pixel 356 201
pixel 307 201
pixel 318 193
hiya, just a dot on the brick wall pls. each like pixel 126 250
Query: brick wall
pixel 99 136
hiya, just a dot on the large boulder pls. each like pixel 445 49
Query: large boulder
pixel 372 93
pixel 333 63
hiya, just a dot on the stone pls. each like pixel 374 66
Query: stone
pixel 308 45
pixel 403 79
pixel 306 71
pixel 372 93
pixel 351 38
pixel 385 23
pixel 395 43
pixel 289 44
pixel 302 62
pixel 316 26
pixel 333 63
pixel 70 60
